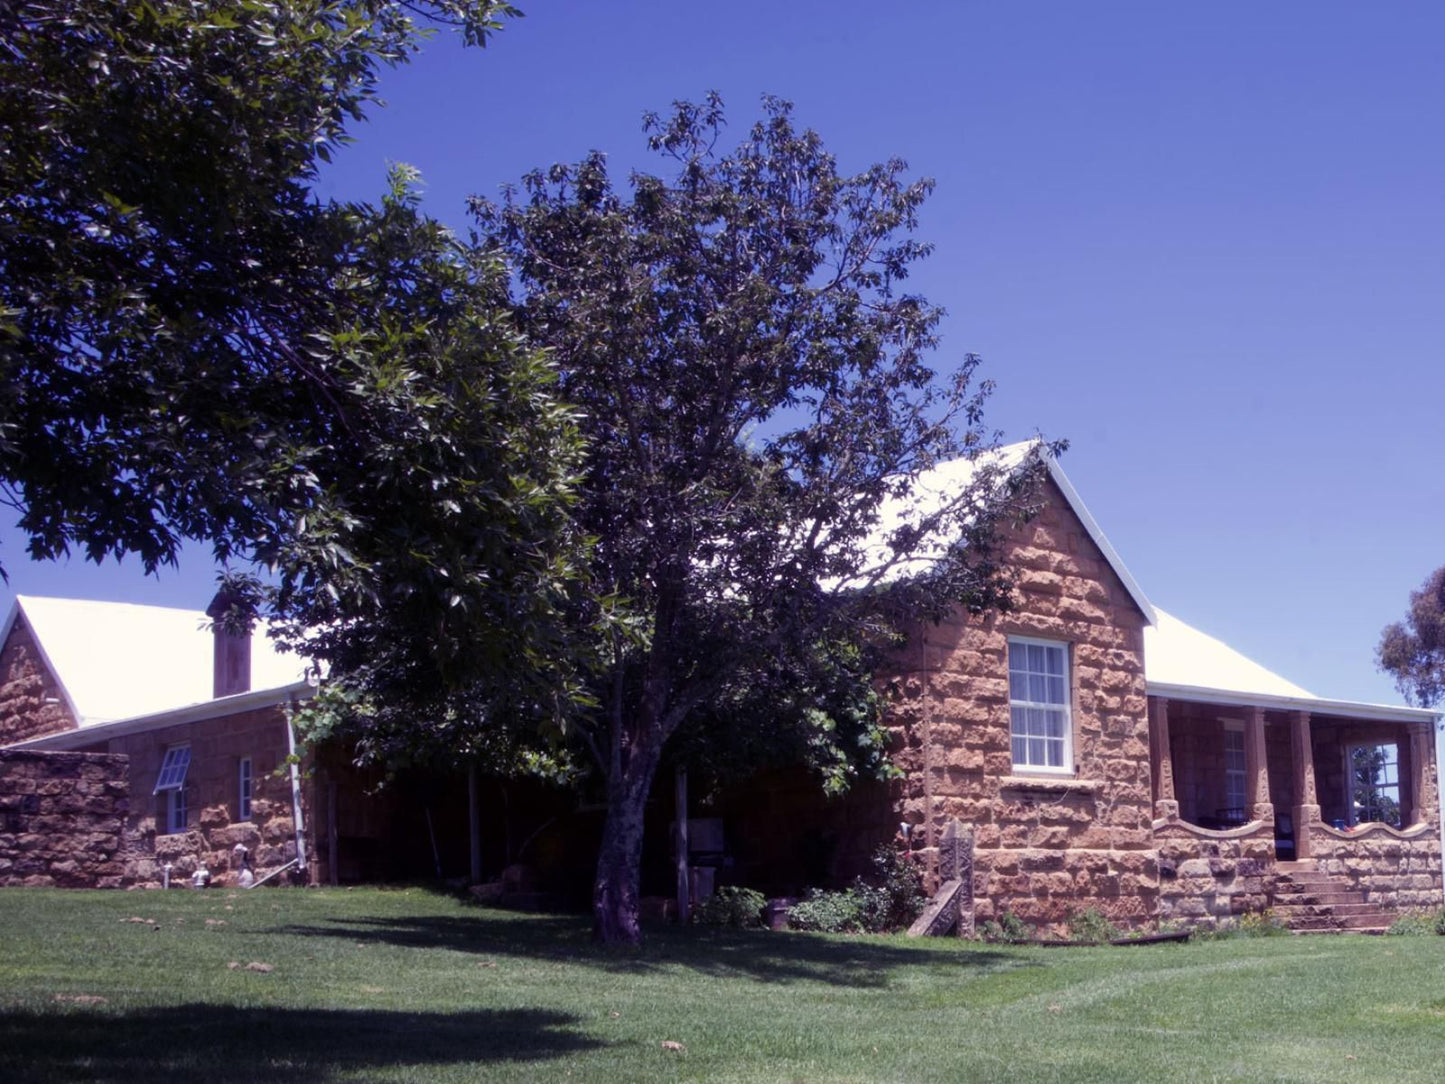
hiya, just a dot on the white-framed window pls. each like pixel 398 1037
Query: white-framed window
pixel 172 782
pixel 1038 682
pixel 1234 770
pixel 1375 784
pixel 243 789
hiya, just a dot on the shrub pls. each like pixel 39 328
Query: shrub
pixel 732 905
pixel 1009 927
pixel 901 882
pixel 1091 925
pixel 827 912
pixel 1418 924
pixel 889 900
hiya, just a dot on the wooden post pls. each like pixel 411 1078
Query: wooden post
pixel 335 871
pixel 684 871
pixel 1256 768
pixel 1307 806
pixel 474 823
pixel 1161 759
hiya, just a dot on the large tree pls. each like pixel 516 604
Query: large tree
pixel 1414 650
pixel 754 382
pixel 193 345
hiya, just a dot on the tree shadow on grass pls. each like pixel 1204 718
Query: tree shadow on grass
pixel 230 1045
pixel 763 956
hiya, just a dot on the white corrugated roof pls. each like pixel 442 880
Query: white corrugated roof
pixel 1179 654
pixel 118 660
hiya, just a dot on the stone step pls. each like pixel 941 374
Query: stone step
pixel 1373 919
pixel 1320 899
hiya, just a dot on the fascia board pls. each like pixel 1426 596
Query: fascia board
pixel 1350 708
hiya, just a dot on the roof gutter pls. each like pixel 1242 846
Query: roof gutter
pixel 1313 705
pixel 191 713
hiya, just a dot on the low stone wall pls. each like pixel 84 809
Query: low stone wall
pixel 1207 876
pixel 62 819
pixel 1393 869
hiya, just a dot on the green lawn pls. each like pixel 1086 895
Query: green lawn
pixel 410 985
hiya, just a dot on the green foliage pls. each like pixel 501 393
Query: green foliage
pixel 753 379
pixel 1008 927
pixel 1254 924
pixel 889 900
pixel 1091 925
pixel 828 912
pixel 195 346
pixel 1414 650
pixel 732 905
pixel 1418 924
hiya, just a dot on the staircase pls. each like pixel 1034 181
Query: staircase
pixel 1308 901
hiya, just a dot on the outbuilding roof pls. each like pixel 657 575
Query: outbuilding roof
pixel 119 660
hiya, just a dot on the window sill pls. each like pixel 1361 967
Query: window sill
pixel 1051 784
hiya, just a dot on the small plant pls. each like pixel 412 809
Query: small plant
pixel 1091 925
pixel 1009 927
pixel 1262 924
pixel 732 905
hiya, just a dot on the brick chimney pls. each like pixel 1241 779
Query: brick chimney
pixel 231 669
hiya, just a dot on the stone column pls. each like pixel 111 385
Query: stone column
pixel 1161 760
pixel 1256 768
pixel 1422 752
pixel 1307 811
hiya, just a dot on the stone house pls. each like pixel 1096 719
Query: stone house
pixel 1104 753
pixel 199 753
pixel 1107 755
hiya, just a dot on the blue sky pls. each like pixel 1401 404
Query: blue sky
pixel 1202 242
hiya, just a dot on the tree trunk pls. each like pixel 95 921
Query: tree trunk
pixel 619 860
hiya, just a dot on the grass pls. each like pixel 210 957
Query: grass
pixel 409 985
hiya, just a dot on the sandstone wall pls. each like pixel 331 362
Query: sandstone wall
pixel 1045 846
pixel 1208 876
pixel 214 824
pixel 1393 870
pixel 62 820
pixel 30 700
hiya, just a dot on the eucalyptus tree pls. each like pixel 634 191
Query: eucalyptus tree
pixel 1413 650
pixel 753 380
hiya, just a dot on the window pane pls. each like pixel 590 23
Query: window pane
pixel 1018 721
pixel 1017 656
pixel 1036 658
pixel 1020 750
pixel 1056 754
pixel 1054 724
pixel 1038 688
pixel 1036 750
pixel 1056 660
pixel 1018 685
pixel 1056 690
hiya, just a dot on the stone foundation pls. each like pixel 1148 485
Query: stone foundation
pixel 62 820
pixel 1399 870
pixel 1206 877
